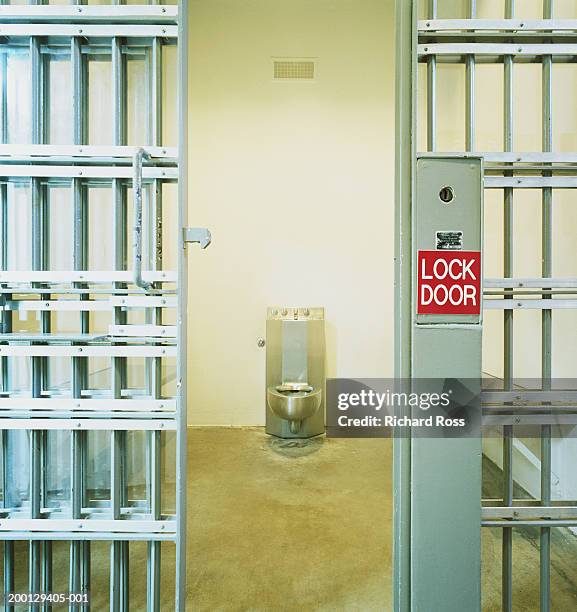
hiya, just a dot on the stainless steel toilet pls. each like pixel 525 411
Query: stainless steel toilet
pixel 295 372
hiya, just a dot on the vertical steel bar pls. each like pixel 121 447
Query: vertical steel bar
pixel 117 599
pixel 118 550
pixel 77 377
pixel 181 374
pixel 44 131
pixel 154 454
pixel 79 552
pixel 35 436
pixel 546 323
pixel 154 498
pixel 432 88
pixel 118 92
pixel 156 97
pixel 406 68
pixel 154 550
pixel 507 543
pixel 115 550
pixel 470 90
pixel 47 573
pixel 152 594
pixel 8 573
pixel 81 118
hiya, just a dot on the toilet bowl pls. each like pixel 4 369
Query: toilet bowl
pixel 294 395
pixel 294 402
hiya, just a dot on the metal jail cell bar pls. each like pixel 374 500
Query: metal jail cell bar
pixel 507 42
pixel 120 408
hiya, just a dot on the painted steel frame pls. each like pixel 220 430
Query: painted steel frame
pixel 472 41
pixel 405 124
pixel 85 411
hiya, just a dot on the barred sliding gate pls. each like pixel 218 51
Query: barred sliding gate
pixel 93 301
pixel 433 40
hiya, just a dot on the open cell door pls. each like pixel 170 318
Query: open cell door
pixel 93 301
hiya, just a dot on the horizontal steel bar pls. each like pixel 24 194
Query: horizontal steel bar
pixel 164 340
pixel 62 48
pixel 508 25
pixel 513 283
pixel 42 403
pixel 84 276
pixel 101 525
pixel 529 396
pixel 106 14
pixel 56 338
pixel 138 301
pixel 117 153
pixel 531 304
pixel 162 331
pixel 490 420
pixel 77 535
pixel 79 424
pixel 116 291
pixel 86 351
pixel 529 157
pixel 85 305
pixel 101 394
pixel 84 29
pixel 493 293
pixel 529 512
pixel 522 409
pixel 488 502
pixel 88 172
pixel 504 157
pixel 532 523
pixel 134 510
pixel 101 415
pixel 61 305
pixel 497 49
pixel 531 182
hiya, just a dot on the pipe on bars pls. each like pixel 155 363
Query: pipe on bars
pixel 139 156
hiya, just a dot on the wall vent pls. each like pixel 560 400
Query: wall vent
pixel 293 69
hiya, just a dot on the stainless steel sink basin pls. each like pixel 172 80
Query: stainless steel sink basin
pixel 294 404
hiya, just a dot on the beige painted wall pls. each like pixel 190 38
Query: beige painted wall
pixel 295 180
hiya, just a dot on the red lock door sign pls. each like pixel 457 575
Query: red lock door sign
pixel 449 282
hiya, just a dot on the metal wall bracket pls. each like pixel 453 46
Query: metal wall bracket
pixel 197 234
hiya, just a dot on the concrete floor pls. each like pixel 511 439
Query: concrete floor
pixel 285 525
pixel 281 526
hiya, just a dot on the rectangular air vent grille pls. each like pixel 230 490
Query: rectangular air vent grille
pixel 294 69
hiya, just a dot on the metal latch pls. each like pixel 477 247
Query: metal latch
pixel 197 234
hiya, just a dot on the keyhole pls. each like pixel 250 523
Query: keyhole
pixel 446 194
